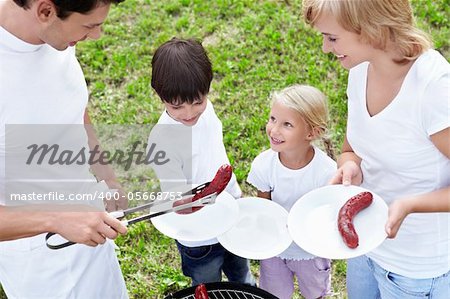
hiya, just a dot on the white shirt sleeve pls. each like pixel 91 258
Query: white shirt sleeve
pixel 259 175
pixel 436 106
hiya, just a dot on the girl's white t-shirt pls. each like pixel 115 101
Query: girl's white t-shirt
pixel 399 160
pixel 286 186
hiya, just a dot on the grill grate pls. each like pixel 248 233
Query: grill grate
pixel 227 294
pixel 225 290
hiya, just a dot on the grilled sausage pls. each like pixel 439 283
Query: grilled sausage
pixel 217 185
pixel 201 292
pixel 346 214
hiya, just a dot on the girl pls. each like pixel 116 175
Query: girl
pixel 396 142
pixel 290 168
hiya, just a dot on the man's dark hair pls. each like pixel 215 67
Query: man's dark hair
pixel 181 71
pixel 65 7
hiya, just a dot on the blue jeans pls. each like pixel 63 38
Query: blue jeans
pixel 366 279
pixel 205 264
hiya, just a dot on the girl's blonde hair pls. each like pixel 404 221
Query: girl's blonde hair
pixel 376 21
pixel 311 103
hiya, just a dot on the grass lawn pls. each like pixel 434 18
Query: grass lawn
pixel 255 47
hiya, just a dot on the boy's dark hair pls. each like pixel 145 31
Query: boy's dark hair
pixel 181 71
pixel 65 7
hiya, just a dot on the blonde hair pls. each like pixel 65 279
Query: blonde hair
pixel 376 21
pixel 311 104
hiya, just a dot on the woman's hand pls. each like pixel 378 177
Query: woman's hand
pixel 349 169
pixel 433 202
pixel 348 174
pixel 398 210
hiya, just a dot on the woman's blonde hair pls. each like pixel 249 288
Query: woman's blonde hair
pixel 376 21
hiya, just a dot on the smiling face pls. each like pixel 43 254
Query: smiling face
pixel 287 130
pixel 185 113
pixel 345 45
pixel 61 34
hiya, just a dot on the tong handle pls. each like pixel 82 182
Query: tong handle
pixel 115 214
pixel 118 214
pixel 57 246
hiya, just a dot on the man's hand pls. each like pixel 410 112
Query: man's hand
pixel 87 227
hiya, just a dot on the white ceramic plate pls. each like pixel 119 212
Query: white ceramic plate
pixel 312 222
pixel 205 224
pixel 261 231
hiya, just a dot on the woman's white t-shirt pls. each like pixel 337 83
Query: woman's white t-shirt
pixel 399 160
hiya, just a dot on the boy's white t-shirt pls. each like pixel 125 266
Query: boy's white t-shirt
pixel 195 154
pixel 40 85
pixel 286 186
pixel 399 160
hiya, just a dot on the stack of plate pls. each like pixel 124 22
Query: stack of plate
pixel 257 228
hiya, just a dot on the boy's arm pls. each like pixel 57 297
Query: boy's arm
pixel 263 195
pixel 172 143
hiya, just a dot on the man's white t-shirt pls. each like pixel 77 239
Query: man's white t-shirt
pixel 195 154
pixel 399 160
pixel 40 85
pixel 286 186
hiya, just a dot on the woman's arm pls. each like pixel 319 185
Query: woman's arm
pixel 349 170
pixel 441 140
pixel 436 201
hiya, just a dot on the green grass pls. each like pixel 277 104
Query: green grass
pixel 255 47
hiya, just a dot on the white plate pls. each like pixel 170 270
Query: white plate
pixel 261 231
pixel 312 222
pixel 205 224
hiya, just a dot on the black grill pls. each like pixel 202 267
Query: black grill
pixel 225 290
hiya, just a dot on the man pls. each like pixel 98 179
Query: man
pixel 41 82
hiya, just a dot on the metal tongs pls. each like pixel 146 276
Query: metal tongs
pixel 157 208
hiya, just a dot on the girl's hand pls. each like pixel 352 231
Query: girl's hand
pixel 348 174
pixel 398 210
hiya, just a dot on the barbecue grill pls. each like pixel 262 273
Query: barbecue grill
pixel 225 290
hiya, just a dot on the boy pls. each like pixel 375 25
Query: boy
pixel 192 135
